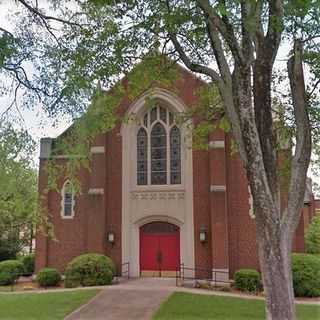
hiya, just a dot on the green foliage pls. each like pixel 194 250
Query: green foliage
pixel 248 280
pixel 10 271
pixel 48 277
pixel 28 262
pixel 306 275
pixel 312 236
pixel 19 206
pixel 89 270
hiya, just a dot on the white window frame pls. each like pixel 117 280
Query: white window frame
pixel 63 216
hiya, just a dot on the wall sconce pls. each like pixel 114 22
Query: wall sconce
pixel 111 237
pixel 203 234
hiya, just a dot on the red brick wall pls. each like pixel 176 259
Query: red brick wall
pixel 242 238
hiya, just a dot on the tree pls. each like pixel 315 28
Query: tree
pixel 18 192
pixel 234 44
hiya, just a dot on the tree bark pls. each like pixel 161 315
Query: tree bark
pixel 274 247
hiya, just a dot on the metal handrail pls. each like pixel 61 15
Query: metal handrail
pixel 180 274
pixel 122 272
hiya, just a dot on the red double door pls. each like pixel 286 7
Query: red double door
pixel 159 248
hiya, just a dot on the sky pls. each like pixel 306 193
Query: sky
pixel 36 121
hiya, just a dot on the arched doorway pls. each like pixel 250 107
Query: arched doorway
pixel 159 249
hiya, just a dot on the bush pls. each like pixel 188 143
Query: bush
pixel 306 275
pixel 28 264
pixel 10 271
pixel 248 280
pixel 89 270
pixel 312 236
pixel 48 277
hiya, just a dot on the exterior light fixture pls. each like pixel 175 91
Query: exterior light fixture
pixel 203 234
pixel 111 237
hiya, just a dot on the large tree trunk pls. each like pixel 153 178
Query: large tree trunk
pixel 275 262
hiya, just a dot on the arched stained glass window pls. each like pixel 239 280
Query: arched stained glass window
pixel 142 157
pixel 158 148
pixel 175 155
pixel 158 154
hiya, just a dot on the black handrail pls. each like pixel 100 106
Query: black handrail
pixel 123 272
pixel 180 274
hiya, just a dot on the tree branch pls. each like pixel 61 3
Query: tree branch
pixel 224 27
pixel 195 67
pixel 301 159
pixel 43 16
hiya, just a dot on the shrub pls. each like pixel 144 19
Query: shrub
pixel 312 236
pixel 89 270
pixel 10 271
pixel 306 275
pixel 48 277
pixel 28 264
pixel 248 280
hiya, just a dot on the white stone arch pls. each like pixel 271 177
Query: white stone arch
pixel 155 218
pixel 149 203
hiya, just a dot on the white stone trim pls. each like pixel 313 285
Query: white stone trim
pixel 97 150
pixel 154 207
pixel 45 148
pixel 63 216
pixel 96 191
pixel 217 188
pixel 217 144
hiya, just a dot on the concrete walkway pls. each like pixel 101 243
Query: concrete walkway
pixel 134 300
pixel 139 299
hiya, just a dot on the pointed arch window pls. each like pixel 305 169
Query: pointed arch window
pixel 158 154
pixel 158 148
pixel 142 157
pixel 68 200
pixel 175 155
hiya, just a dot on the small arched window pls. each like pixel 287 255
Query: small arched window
pixel 68 200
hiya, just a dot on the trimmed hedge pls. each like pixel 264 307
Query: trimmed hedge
pixel 90 269
pixel 306 275
pixel 248 280
pixel 28 262
pixel 312 236
pixel 48 277
pixel 10 271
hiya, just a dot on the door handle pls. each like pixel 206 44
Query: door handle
pixel 159 257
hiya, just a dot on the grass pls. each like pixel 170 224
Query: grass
pixel 188 306
pixel 42 306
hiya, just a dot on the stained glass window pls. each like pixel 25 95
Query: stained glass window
pixel 153 115
pixel 142 157
pixel 175 156
pixel 163 114
pixel 158 154
pixel 156 136
pixel 145 120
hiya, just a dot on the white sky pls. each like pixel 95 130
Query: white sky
pixel 37 123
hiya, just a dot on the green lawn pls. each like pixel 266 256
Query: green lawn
pixel 42 306
pixel 188 306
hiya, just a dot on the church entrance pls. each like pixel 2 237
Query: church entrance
pixel 159 249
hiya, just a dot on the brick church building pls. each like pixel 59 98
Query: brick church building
pixel 151 200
